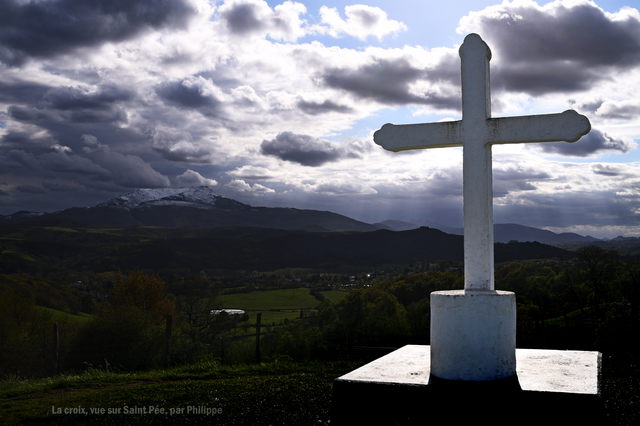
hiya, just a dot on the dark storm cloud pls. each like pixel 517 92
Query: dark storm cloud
pixel 30 189
pixel 74 105
pixel 54 187
pixel 73 98
pixel 189 94
pixel 129 171
pixel 21 113
pixel 621 112
pixel 538 79
pixel 594 141
pixel 510 180
pixel 17 159
pixel 20 91
pixel 49 28
pixel 573 208
pixel 309 151
pixel 241 19
pixel 569 49
pixel 388 82
pixel 315 108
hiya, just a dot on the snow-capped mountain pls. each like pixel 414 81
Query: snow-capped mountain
pixel 196 196
pixel 201 207
pixel 197 207
pixel 202 196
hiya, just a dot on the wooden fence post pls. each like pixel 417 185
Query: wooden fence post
pixel 258 357
pixel 167 341
pixel 56 348
pixel 221 351
pixel 346 332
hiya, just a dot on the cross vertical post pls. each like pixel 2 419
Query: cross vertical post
pixel 477 184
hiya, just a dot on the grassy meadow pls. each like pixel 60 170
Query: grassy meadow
pixel 81 318
pixel 280 392
pixel 276 305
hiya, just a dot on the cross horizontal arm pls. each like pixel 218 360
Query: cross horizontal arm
pixel 568 126
pixel 394 137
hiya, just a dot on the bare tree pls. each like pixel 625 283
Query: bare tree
pixel 196 313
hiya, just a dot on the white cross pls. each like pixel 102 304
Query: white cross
pixel 476 132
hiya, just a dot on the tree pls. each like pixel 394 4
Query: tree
pixel 146 292
pixel 25 336
pixel 631 286
pixel 200 324
pixel 597 263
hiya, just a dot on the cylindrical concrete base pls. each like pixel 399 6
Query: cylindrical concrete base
pixel 473 335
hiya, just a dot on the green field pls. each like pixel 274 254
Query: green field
pixel 58 228
pixel 18 254
pixel 81 318
pixel 276 306
pixel 274 299
pixel 334 295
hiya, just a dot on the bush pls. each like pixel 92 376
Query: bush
pixel 299 341
pixel 26 337
pixel 124 336
pixel 148 293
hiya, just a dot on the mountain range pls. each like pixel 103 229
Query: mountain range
pixel 201 207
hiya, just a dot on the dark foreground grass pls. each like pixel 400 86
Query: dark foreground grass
pixel 281 393
pixel 275 393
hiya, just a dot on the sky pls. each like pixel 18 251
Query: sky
pixel 274 103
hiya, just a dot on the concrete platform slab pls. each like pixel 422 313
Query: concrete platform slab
pixel 551 386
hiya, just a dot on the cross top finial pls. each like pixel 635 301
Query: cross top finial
pixel 476 43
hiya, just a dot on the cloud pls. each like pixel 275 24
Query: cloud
pixel 256 189
pixel 70 98
pixel 74 105
pixel 192 178
pixel 30 189
pixel 251 173
pixel 515 179
pixel 17 158
pixel 605 170
pixel 390 81
pixel 176 144
pixel 184 151
pixel 307 150
pixel 61 161
pixel 592 144
pixel 345 185
pixel 48 28
pixel 193 93
pixel 315 108
pixel 245 18
pixel 619 110
pixel 52 186
pixel 125 170
pixel 558 47
pixel 27 114
pixel 21 91
pixel 362 21
pixel 84 104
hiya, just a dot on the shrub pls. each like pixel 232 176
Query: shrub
pixel 123 336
